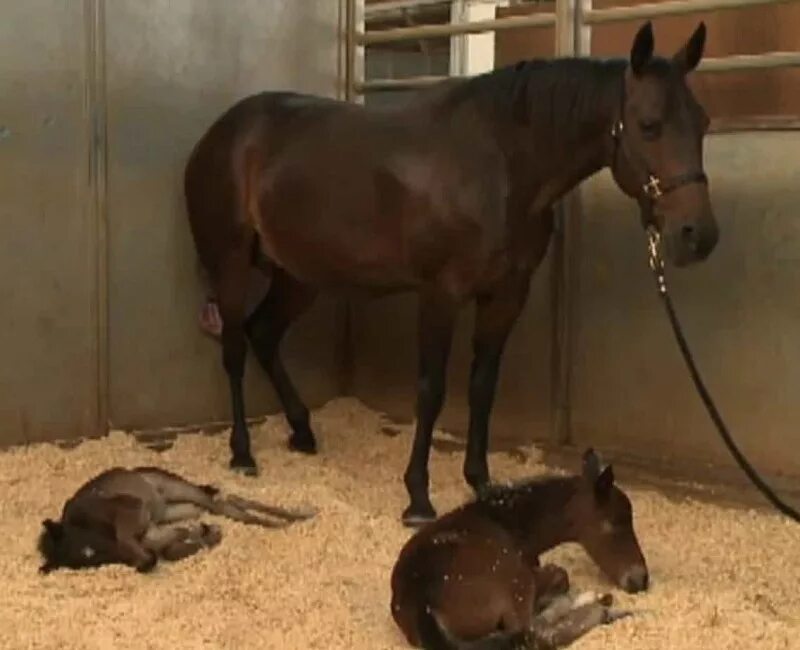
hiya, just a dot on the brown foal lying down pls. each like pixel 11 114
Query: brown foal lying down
pixel 472 578
pixel 136 516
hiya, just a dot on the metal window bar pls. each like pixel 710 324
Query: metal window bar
pixel 581 13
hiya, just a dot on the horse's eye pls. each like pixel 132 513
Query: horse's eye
pixel 650 130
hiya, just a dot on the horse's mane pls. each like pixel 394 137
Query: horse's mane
pixel 564 93
pixel 496 494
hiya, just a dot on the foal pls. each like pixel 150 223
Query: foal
pixel 477 568
pixel 131 516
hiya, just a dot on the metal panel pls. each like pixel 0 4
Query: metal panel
pixel 740 310
pixel 48 378
pixel 172 68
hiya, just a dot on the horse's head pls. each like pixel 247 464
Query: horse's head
pixel 658 150
pixel 603 520
pixel 72 547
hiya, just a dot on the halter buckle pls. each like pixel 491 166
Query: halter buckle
pixel 653 187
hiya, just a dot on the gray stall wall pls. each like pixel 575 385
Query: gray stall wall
pixel 631 391
pixel 167 70
pixel 48 377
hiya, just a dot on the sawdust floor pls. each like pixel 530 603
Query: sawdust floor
pixel 722 578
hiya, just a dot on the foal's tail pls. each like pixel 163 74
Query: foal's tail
pixel 432 636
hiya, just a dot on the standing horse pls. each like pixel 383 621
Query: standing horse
pixel 449 196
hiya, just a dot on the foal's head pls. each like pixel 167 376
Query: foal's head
pixel 72 547
pixel 603 519
pixel 658 147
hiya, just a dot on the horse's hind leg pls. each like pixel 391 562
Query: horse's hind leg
pixel 286 300
pixel 177 542
pixel 231 293
pixel 437 313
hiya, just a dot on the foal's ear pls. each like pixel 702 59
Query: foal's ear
pixel 55 529
pixel 687 58
pixel 604 482
pixel 642 49
pixel 591 465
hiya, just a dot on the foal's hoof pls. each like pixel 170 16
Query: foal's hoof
pixel 149 564
pixel 212 535
pixel 417 516
pixel 303 443
pixel 246 466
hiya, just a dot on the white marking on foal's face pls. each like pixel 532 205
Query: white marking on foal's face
pixel 87 552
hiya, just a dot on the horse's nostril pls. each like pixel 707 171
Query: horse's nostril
pixel 688 233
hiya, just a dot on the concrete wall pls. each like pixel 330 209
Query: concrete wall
pixel 134 83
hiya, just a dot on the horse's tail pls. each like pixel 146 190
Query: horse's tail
pixel 432 636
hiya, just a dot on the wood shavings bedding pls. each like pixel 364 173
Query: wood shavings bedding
pixel 721 578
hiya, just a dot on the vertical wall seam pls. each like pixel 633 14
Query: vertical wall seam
pixel 95 110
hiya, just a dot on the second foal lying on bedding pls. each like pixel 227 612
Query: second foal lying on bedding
pixel 134 516
pixel 472 579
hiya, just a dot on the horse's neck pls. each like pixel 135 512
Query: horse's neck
pixel 568 137
pixel 539 519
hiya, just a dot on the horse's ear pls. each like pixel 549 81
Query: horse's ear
pixel 591 465
pixel 642 49
pixel 687 58
pixel 604 482
pixel 55 529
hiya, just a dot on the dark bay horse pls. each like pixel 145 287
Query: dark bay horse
pixel 449 196
pixel 476 570
pixel 136 516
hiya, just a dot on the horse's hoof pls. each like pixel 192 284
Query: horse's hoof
pixel 303 444
pixel 477 479
pixel 244 466
pixel 418 516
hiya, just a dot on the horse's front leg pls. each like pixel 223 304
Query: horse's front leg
pixel 437 313
pixel 495 316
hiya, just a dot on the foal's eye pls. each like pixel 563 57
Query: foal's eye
pixel 650 130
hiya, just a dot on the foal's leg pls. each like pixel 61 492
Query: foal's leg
pixel 437 312
pixel 177 542
pixel 494 317
pixel 571 623
pixel 286 301
pixel 231 293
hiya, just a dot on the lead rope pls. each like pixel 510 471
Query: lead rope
pixel 657 266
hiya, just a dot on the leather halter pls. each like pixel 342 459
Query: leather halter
pixel 655 187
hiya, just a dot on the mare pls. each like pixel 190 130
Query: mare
pixel 449 195
pixel 474 575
